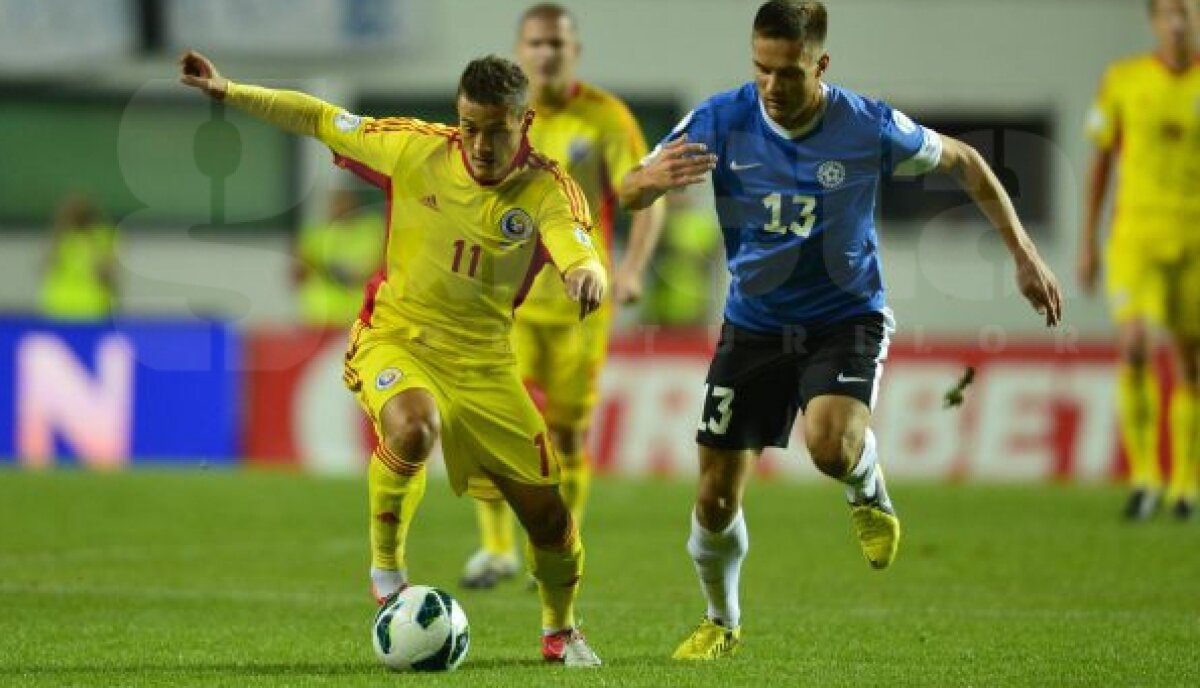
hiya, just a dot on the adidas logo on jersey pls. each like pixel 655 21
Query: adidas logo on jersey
pixel 429 201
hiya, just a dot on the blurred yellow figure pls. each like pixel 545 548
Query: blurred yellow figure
pixel 681 294
pixel 594 137
pixel 79 281
pixel 335 260
pixel 1147 115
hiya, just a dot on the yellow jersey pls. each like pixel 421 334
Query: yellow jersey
pixel 1150 115
pixel 460 253
pixel 74 288
pixel 595 138
pixel 338 258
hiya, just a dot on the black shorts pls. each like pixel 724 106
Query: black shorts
pixel 758 383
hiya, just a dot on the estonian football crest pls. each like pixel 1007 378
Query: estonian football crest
pixel 831 174
pixel 387 377
pixel 516 225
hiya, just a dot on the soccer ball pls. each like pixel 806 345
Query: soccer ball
pixel 421 629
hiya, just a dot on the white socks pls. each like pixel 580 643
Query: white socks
pixel 388 581
pixel 861 483
pixel 718 558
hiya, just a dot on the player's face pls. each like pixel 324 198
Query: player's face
pixel 787 76
pixel 547 50
pixel 491 135
pixel 1173 22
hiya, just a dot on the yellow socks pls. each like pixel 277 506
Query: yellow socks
pixel 576 482
pixel 1137 411
pixel 557 571
pixel 1184 427
pixel 395 488
pixel 495 526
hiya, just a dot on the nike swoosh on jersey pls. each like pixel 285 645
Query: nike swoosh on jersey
pixel 842 378
pixel 738 168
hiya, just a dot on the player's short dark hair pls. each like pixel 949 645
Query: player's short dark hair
pixel 551 11
pixel 493 80
pixel 793 20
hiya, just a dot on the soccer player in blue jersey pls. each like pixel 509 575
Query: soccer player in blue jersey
pixel 795 166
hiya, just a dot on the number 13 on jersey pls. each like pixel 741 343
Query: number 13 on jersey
pixel 802 226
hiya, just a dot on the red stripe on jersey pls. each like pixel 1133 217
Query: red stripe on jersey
pixel 362 171
pixel 608 208
pixel 540 257
pixel 369 292
pixel 382 181
pixel 567 185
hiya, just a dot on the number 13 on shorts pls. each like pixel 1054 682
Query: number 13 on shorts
pixel 717 422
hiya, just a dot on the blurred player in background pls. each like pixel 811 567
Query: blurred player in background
pixel 473 209
pixel 592 135
pixel 336 258
pixel 1147 115
pixel 80 274
pixel 797 167
pixel 684 292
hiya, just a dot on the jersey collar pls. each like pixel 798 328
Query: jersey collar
pixel 518 160
pixel 803 131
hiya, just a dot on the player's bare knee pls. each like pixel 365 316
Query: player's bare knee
pixel 833 449
pixel 552 529
pixel 411 436
pixel 1134 345
pixel 567 441
pixel 716 507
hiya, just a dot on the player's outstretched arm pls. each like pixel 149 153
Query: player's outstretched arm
pixel 1034 278
pixel 586 285
pixel 291 111
pixel 645 229
pixel 1088 267
pixel 676 165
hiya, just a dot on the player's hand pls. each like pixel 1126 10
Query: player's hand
pixel 197 71
pixel 679 164
pixel 627 285
pixel 1088 269
pixel 585 284
pixel 1040 287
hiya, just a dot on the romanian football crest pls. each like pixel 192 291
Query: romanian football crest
pixel 387 377
pixel 516 225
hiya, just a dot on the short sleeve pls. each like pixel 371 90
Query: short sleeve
pixel 378 144
pixel 564 225
pixel 909 149
pixel 1103 123
pixel 699 127
pixel 623 146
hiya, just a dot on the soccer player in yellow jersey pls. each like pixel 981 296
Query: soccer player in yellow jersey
pixel 1147 116
pixel 593 136
pixel 473 209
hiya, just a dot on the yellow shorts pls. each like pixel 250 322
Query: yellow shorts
pixel 489 426
pixel 564 362
pixel 1160 287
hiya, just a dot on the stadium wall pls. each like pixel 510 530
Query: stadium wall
pixel 1001 56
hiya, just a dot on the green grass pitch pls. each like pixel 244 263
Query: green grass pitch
pixel 246 579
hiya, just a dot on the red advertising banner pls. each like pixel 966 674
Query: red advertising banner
pixel 1036 410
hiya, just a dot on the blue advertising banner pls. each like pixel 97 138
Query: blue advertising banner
pixel 104 395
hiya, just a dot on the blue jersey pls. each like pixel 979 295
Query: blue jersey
pixel 797 209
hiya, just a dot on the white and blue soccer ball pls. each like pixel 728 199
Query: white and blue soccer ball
pixel 421 629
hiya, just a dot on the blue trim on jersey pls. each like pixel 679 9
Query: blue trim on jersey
pixel 798 215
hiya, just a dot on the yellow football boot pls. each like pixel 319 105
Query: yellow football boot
pixel 709 641
pixel 877 527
